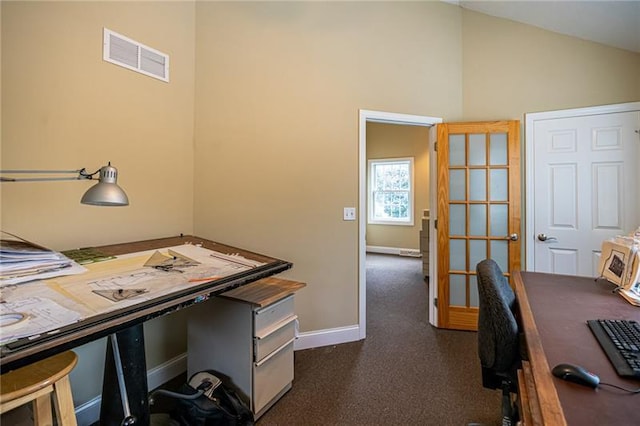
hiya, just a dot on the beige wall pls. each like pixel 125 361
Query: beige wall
pixel 398 141
pixel 279 86
pixel 254 142
pixel 511 69
pixel 63 107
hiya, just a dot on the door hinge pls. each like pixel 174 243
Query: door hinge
pixel 435 223
pixel 435 146
pixel 435 302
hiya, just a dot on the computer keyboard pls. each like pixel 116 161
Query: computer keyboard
pixel 620 340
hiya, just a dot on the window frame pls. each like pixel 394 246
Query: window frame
pixel 371 163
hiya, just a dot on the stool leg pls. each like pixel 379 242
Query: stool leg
pixel 63 399
pixel 42 411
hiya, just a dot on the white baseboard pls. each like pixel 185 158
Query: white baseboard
pixel 394 250
pixel 327 337
pixel 89 412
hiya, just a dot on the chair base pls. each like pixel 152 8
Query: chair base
pixel 510 415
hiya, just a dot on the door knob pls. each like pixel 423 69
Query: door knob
pixel 512 237
pixel 545 238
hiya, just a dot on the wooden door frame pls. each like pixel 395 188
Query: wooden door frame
pixel 390 118
pixel 530 120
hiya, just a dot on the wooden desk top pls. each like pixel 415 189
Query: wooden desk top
pixel 136 246
pixel 554 312
pixel 263 292
pixel 30 349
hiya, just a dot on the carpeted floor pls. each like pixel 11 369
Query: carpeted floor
pixel 405 372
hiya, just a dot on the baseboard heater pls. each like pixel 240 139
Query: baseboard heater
pixel 394 250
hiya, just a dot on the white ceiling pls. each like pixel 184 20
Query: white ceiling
pixel 612 22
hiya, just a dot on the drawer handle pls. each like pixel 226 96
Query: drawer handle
pixel 276 327
pixel 268 308
pixel 272 354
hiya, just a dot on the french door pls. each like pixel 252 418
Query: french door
pixel 478 212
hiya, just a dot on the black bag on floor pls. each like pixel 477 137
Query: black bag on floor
pixel 217 404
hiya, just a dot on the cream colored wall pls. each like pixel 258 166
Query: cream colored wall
pixel 278 89
pixel 398 141
pixel 511 69
pixel 63 107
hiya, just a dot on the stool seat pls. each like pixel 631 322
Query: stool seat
pixel 36 383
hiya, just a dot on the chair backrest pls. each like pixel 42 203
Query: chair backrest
pixel 498 342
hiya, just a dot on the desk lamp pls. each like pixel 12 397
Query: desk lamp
pixel 105 193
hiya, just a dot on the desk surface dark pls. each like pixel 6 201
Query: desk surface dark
pixel 560 306
pixel 25 351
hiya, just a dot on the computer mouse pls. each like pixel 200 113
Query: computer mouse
pixel 576 374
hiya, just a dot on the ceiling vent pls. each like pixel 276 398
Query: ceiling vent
pixel 123 51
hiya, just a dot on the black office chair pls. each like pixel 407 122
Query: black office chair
pixel 498 337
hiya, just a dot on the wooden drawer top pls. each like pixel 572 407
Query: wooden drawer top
pixel 264 292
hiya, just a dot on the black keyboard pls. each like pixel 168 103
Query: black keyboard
pixel 620 340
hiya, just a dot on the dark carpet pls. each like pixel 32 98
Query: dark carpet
pixel 405 372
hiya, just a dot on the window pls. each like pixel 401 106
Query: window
pixel 391 191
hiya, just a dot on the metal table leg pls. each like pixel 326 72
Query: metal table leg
pixel 124 387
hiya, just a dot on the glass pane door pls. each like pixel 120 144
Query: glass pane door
pixel 479 209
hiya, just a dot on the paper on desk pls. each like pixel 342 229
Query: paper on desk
pixel 40 315
pixel 22 261
pixel 632 295
pixel 56 302
pixel 128 272
pixel 72 269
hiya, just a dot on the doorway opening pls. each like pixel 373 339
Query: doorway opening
pixel 400 119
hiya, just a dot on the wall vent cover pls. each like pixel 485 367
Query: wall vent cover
pixel 127 53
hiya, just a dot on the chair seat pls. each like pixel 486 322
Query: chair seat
pixel 36 382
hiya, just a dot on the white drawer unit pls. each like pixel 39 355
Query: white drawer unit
pixel 247 334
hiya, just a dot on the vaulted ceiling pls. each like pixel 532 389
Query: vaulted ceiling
pixel 613 22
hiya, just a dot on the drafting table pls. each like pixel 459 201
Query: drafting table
pixel 123 320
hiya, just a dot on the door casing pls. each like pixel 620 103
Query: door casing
pixel 391 118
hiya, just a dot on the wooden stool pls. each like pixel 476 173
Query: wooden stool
pixel 35 383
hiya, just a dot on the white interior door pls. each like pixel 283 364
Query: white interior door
pixel 585 184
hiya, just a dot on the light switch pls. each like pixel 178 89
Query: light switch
pixel 349 213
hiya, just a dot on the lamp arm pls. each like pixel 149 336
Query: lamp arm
pixel 105 193
pixel 41 171
pixel 81 174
